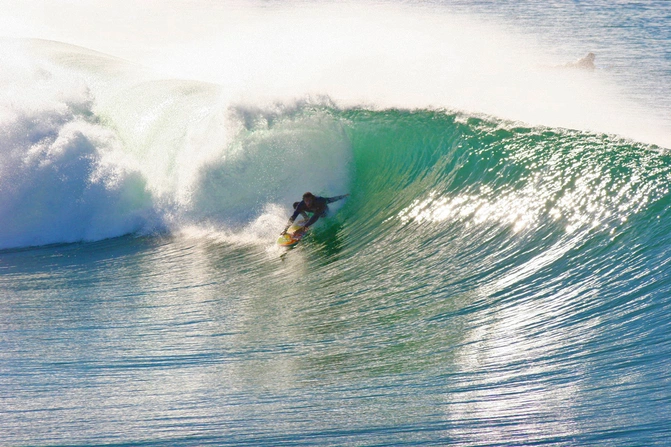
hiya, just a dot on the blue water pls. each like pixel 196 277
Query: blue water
pixel 498 276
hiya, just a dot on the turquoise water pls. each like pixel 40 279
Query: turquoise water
pixel 489 281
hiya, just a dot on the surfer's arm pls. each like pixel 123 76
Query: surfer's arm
pixel 299 210
pixel 312 219
pixel 291 220
pixel 336 198
pixel 293 217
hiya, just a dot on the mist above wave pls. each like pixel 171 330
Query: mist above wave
pixel 382 55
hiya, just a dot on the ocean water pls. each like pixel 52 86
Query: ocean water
pixel 499 275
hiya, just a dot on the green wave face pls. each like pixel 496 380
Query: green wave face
pixel 444 169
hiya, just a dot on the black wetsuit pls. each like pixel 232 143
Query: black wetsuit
pixel 318 209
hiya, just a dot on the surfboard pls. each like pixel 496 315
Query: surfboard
pixel 290 238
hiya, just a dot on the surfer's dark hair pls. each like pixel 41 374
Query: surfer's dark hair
pixel 308 194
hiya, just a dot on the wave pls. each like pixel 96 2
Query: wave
pixel 491 202
pixel 101 148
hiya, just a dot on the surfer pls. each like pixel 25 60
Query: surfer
pixel 311 204
pixel 586 63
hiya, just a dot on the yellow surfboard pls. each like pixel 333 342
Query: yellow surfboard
pixel 291 237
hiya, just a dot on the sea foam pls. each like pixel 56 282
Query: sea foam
pixel 63 176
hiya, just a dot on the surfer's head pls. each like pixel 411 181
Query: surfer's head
pixel 308 197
